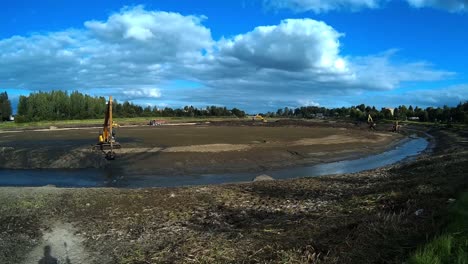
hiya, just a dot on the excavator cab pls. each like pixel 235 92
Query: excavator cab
pixel 106 140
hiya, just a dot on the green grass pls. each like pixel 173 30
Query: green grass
pixel 98 122
pixel 452 245
pixel 120 121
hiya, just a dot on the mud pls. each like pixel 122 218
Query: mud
pixel 217 147
pixel 366 217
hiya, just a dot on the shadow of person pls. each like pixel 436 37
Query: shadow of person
pixel 67 260
pixel 48 259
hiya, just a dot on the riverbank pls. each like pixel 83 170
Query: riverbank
pixel 374 216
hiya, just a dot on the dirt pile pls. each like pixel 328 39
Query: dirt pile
pixel 12 158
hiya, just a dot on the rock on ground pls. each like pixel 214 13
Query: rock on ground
pixel 263 177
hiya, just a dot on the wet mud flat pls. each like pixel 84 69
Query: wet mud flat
pixel 217 147
pixel 405 150
pixel 374 216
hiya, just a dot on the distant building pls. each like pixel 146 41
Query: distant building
pixel 414 118
pixel 12 118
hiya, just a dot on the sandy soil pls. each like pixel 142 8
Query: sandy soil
pixel 193 149
pixel 59 245
pixel 367 217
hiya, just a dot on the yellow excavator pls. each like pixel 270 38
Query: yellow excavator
pixel 370 122
pixel 258 117
pixel 396 127
pixel 106 140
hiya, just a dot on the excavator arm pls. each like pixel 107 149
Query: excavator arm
pixel 370 122
pixel 369 119
pixel 106 138
pixel 107 127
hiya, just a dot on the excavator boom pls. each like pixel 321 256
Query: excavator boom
pixel 370 122
pixel 107 137
pixel 107 127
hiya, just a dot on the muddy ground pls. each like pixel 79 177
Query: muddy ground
pixel 216 147
pixel 376 216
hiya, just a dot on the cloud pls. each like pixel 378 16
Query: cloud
pixel 301 57
pixel 449 5
pixel 441 96
pixel 133 47
pixel 136 50
pixel 142 93
pixel 156 35
pixel 381 71
pixel 293 45
pixel 324 6
pixel 307 102
pixel 451 95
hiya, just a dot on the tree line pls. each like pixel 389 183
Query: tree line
pixel 443 114
pixel 60 105
pixel 5 107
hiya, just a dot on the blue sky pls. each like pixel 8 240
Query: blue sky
pixel 258 55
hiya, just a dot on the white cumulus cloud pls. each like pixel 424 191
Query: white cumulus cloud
pixel 142 93
pixel 323 6
pixel 302 57
pixel 382 70
pixel 449 5
pixel 135 50
pixel 157 34
pixel 294 44
pixel 133 47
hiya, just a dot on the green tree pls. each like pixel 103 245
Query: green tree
pixel 237 112
pixel 5 107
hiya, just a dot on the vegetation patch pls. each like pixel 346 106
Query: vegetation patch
pixel 452 245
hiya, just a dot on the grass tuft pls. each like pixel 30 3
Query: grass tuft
pixel 452 245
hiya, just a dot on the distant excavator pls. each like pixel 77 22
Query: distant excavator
pixel 396 127
pixel 106 141
pixel 370 122
pixel 258 117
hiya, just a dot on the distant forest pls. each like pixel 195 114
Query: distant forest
pixel 458 114
pixel 59 105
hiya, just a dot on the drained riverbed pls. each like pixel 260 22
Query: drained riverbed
pixel 115 178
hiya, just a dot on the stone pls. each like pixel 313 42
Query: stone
pixel 263 177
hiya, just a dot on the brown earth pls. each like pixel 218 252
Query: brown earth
pixel 192 149
pixel 376 216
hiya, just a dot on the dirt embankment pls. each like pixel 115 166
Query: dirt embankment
pixel 376 216
pixel 203 148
